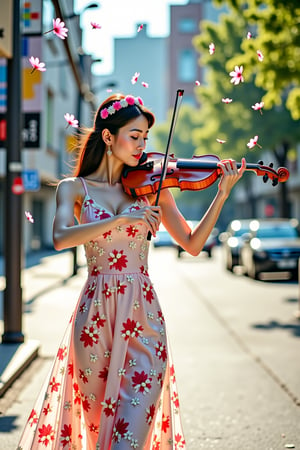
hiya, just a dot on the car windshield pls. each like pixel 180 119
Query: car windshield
pixel 277 232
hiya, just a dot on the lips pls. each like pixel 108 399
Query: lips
pixel 138 156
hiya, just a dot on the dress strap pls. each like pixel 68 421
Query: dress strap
pixel 84 185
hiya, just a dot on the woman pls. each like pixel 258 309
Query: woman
pixel 113 383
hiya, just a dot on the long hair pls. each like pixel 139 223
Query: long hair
pixel 92 149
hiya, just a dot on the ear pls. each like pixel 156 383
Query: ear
pixel 107 136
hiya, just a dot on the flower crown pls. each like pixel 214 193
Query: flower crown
pixel 129 100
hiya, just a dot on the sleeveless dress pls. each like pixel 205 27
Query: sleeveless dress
pixel 112 385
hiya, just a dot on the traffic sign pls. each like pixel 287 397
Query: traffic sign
pixel 31 180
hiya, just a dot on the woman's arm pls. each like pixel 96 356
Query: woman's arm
pixel 175 223
pixel 67 234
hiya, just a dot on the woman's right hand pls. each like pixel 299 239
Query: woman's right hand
pixel 148 215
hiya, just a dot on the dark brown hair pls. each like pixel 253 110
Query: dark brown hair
pixel 93 147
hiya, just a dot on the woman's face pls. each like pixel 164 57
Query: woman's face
pixel 130 142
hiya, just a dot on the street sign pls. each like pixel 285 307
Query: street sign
pixel 30 131
pixel 31 180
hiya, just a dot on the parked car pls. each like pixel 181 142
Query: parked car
pixel 162 238
pixel 210 243
pixel 232 242
pixel 272 245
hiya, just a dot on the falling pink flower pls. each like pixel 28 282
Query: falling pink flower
pixel 135 77
pixel 260 55
pixel 253 142
pixel 59 29
pixel 95 26
pixel 237 75
pixel 70 118
pixel 258 107
pixel 211 48
pixel 249 35
pixel 146 85
pixel 221 141
pixel 36 64
pixel 226 100
pixel 29 217
pixel 197 83
pixel 140 28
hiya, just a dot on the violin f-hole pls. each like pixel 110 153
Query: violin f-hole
pixel 169 172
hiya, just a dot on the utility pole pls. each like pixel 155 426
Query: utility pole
pixel 13 206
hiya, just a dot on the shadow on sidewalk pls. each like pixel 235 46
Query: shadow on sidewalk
pixel 294 328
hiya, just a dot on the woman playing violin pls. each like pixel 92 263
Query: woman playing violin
pixel 113 383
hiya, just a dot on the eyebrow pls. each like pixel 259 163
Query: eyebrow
pixel 140 131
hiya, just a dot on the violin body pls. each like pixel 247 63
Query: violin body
pixel 194 174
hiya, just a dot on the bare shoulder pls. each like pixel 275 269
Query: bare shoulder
pixel 70 188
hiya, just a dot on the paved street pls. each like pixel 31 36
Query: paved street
pixel 235 344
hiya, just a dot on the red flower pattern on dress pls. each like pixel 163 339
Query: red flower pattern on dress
pixel 95 271
pixel 161 351
pixel 88 202
pixel 101 214
pixel 141 382
pixel 175 399
pixel 105 235
pixel 33 418
pixel 179 441
pixel 83 377
pixel 62 353
pixel 121 286
pixel 117 260
pixel 65 436
pixel 77 394
pixel 97 320
pixel 131 329
pixel 165 423
pixel 160 317
pixel 103 373
pixel 144 271
pixel 93 428
pixel 156 443
pixel 109 406
pixel 172 373
pixel 46 435
pixel 47 409
pixel 106 291
pixel 132 230
pixel 91 289
pixel 160 379
pixel 86 404
pixel 71 369
pixel 148 292
pixel 89 336
pixel 82 307
pixel 150 414
pixel 119 430
pixel 54 385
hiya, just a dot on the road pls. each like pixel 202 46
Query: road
pixel 235 344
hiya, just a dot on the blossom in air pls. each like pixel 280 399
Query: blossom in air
pixel 249 35
pixel 135 77
pixel 258 107
pixel 197 83
pixel 227 100
pixel 260 55
pixel 36 64
pixel 237 75
pixel 211 48
pixel 70 118
pixel 95 26
pixel 59 29
pixel 29 217
pixel 140 28
pixel 253 142
pixel 146 85
pixel 220 141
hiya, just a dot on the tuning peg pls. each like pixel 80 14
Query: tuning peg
pixel 274 181
pixel 265 178
pixel 260 163
pixel 271 165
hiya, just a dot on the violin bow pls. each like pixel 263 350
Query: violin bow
pixel 178 101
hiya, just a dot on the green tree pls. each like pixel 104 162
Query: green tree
pixel 237 122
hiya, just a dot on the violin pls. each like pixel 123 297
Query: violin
pixel 194 174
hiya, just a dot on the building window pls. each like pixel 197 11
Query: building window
pixel 187 66
pixel 187 25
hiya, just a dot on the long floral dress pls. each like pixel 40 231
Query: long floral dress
pixel 112 385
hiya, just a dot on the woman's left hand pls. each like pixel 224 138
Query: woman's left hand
pixel 230 174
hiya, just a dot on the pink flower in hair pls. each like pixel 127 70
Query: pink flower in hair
pixel 117 105
pixel 130 100
pixel 140 101
pixel 104 113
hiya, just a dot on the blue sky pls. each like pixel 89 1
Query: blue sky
pixel 119 18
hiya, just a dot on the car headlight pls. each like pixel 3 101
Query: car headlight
pixel 233 242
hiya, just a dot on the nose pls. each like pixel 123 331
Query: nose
pixel 142 144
